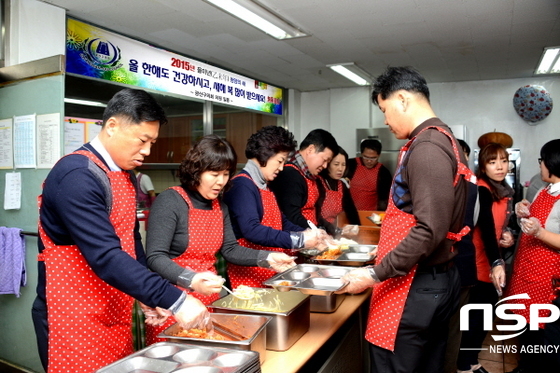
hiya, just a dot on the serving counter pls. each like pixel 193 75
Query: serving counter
pixel 328 334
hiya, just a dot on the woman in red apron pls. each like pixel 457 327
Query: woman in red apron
pixel 256 218
pixel 334 196
pixel 189 225
pixel 490 234
pixel 537 261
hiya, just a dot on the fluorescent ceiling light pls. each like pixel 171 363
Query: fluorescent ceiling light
pixel 260 17
pixel 550 61
pixel 350 71
pixel 84 102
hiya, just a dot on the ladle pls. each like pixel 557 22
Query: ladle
pixel 236 295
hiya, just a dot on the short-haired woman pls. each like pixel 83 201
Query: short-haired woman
pixel 188 225
pixel 537 261
pixel 256 218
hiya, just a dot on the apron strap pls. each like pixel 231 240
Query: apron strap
pixel 459 235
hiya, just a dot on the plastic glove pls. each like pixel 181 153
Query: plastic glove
pixel 310 238
pixel 280 262
pixel 498 277
pixel 358 280
pixel 154 316
pixel 507 239
pixel 192 313
pixel 323 238
pixel 207 283
pixel 350 230
pixel 522 209
pixel 531 226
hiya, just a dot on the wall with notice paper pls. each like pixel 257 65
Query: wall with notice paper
pixel 17 336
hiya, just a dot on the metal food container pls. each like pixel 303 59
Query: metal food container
pixel 326 303
pixel 316 279
pixel 165 357
pixel 355 256
pixel 289 312
pixel 251 326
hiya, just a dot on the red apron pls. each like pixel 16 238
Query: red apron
pixel 140 195
pixel 499 213
pixel 272 217
pixel 308 210
pixel 332 205
pixel 90 322
pixel 389 296
pixel 535 263
pixel 363 186
pixel 206 236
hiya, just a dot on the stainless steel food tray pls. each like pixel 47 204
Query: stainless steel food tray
pixel 290 314
pixel 354 256
pixel 165 357
pixel 311 279
pixel 252 326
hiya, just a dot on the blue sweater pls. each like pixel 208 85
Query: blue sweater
pixel 74 212
pixel 246 211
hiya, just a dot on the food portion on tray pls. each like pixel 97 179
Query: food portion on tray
pixel 343 242
pixel 310 279
pixel 348 255
pixel 200 333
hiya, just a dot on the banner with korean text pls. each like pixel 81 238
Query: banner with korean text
pixel 98 53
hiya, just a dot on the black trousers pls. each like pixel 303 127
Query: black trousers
pixel 422 335
pixel 39 316
pixel 481 293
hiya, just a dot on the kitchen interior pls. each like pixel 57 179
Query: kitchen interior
pixel 475 100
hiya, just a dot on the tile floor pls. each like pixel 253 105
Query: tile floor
pixel 493 359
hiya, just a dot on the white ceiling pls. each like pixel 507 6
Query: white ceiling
pixel 447 40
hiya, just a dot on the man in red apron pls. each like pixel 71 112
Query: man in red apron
pixel 295 188
pixel 416 286
pixel 91 261
pixel 370 181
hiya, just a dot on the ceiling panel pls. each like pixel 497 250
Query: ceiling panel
pixel 447 40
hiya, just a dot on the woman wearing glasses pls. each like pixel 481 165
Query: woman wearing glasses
pixel 537 262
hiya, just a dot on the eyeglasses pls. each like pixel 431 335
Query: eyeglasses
pixel 370 158
pixel 540 160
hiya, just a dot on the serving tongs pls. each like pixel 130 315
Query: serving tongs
pixel 228 332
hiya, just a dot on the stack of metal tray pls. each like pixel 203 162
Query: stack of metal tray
pixel 169 357
pixel 253 327
pixel 353 256
pixel 289 312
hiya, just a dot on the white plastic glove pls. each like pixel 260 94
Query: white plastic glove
pixel 531 226
pixel 350 230
pixel 310 238
pixel 498 277
pixel 207 283
pixel 193 314
pixel 154 316
pixel 358 280
pixel 323 238
pixel 522 209
pixel 507 239
pixel 280 262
